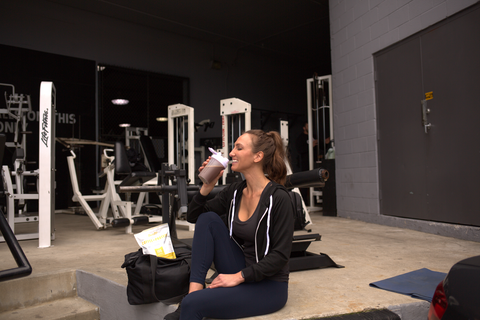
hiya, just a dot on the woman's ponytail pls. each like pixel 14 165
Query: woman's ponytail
pixel 274 151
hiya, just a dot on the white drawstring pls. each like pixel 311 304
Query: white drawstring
pixel 268 220
pixel 268 224
pixel 233 213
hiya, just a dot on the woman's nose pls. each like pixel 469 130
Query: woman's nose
pixel 231 153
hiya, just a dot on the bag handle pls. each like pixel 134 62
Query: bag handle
pixel 149 284
pixel 149 293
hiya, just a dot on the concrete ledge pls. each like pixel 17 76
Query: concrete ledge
pixel 468 233
pixel 111 297
pixel 411 311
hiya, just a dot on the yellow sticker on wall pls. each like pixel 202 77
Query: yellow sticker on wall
pixel 429 95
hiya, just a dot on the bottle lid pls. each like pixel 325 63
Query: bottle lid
pixel 218 156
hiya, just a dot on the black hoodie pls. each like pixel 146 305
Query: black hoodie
pixel 274 233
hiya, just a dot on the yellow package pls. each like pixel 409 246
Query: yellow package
pixel 156 241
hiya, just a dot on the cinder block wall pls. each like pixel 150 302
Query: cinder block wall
pixel 358 29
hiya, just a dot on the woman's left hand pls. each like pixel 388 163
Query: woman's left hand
pixel 227 280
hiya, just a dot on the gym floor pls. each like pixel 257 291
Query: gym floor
pixel 368 251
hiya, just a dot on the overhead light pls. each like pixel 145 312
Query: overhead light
pixel 120 99
pixel 162 119
pixel 120 102
pixel 124 125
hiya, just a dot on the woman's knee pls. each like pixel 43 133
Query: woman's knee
pixel 208 219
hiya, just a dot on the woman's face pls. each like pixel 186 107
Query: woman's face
pixel 242 155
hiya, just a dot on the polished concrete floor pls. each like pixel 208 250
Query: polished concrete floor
pixel 369 253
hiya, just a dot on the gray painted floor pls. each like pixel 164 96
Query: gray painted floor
pixel 369 252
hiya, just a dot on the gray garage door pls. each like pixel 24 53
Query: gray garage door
pixel 430 162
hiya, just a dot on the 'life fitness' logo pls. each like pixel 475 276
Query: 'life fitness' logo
pixel 44 133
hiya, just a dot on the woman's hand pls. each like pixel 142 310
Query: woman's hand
pixel 207 188
pixel 227 280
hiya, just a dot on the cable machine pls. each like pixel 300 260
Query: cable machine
pixel 320 123
pixel 18 105
pixel 181 128
pixel 285 138
pixel 231 111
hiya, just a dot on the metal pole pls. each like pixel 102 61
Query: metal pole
pixel 317 109
pixel 232 122
pixel 177 151
pixel 183 143
pixel 24 267
pixel 323 115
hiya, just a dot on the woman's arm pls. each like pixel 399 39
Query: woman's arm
pixel 227 280
pixel 198 204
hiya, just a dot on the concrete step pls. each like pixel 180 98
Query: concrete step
pixel 45 296
pixel 37 289
pixel 73 308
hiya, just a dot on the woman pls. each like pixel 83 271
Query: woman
pixel 246 231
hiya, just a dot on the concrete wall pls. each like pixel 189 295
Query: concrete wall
pixel 358 29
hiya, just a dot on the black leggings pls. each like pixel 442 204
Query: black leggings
pixel 212 243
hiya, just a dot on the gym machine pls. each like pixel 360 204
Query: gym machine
pixel 318 123
pixel 172 187
pixel 111 203
pixel 300 258
pixel 231 111
pixel 181 128
pixel 23 268
pixel 180 142
pixel 285 138
pixel 138 138
pixel 18 105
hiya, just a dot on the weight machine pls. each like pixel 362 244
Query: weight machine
pixel 180 143
pixel 181 128
pixel 113 211
pixel 231 111
pixel 18 105
pixel 138 138
pixel 180 125
pixel 285 138
pixel 181 148
pixel 318 89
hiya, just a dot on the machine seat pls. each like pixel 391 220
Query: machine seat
pixel 123 169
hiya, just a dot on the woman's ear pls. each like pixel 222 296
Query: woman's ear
pixel 258 156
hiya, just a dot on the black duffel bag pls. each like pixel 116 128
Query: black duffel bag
pixel 154 279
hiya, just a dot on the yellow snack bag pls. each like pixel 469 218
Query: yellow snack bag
pixel 156 241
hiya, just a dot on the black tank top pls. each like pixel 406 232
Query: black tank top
pixel 245 230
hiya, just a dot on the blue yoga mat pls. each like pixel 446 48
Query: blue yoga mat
pixel 420 284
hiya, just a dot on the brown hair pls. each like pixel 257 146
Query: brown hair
pixel 271 144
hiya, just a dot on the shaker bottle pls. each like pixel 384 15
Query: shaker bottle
pixel 216 164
